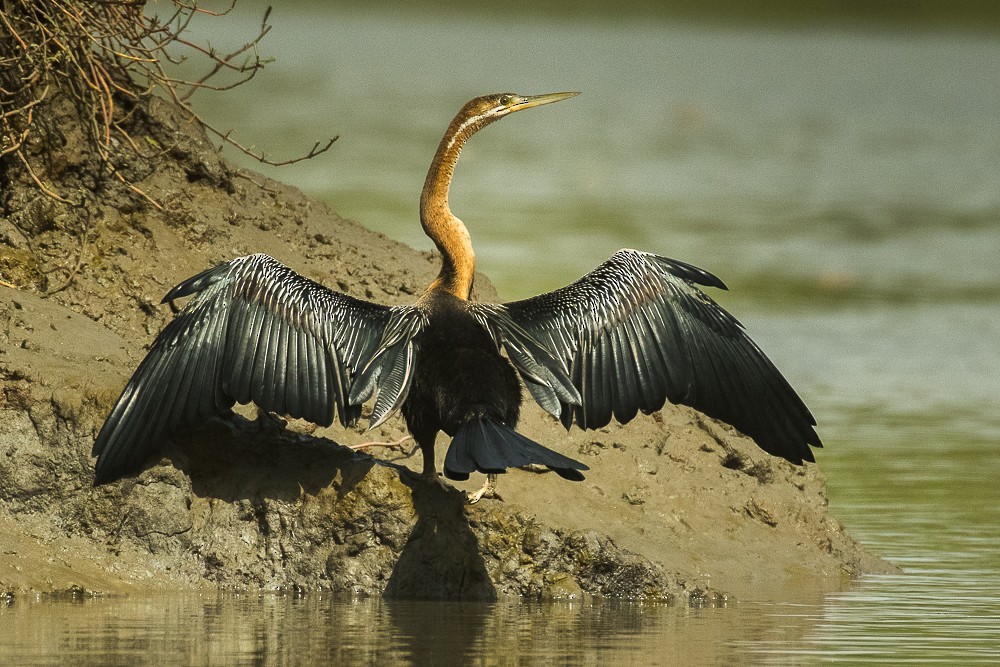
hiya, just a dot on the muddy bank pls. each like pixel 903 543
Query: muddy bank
pixel 675 506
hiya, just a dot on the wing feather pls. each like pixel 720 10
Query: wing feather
pixel 262 380
pixel 307 385
pixel 626 384
pixel 600 383
pixel 294 379
pixel 238 366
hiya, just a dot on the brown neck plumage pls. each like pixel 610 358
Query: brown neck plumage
pixel 458 260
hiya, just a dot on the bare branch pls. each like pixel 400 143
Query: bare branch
pixel 109 57
pixel 318 148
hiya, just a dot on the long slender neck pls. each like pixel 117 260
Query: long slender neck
pixel 458 260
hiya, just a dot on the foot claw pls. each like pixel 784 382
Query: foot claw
pixel 474 497
pixel 488 490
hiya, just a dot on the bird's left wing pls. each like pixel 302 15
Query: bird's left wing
pixel 254 331
pixel 637 331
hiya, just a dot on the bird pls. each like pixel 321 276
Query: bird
pixel 632 334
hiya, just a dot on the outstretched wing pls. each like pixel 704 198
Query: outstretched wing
pixel 637 331
pixel 254 331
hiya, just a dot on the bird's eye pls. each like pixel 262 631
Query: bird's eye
pixel 505 100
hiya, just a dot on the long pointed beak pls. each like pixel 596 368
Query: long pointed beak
pixel 519 103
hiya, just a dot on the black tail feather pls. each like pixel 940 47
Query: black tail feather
pixel 486 446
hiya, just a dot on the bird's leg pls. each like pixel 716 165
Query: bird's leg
pixel 425 441
pixel 376 443
pixel 489 490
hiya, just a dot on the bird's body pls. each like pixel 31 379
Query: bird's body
pixel 458 375
pixel 628 336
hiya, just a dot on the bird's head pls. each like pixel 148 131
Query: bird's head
pixel 481 111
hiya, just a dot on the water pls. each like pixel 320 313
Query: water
pixel 284 629
pixel 844 183
pixel 212 629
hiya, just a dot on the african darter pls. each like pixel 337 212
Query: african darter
pixel 634 332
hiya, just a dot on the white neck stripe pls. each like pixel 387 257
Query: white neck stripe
pixel 472 121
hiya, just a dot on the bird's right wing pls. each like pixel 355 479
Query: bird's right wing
pixel 255 331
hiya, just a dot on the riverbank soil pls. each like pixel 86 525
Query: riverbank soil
pixel 675 506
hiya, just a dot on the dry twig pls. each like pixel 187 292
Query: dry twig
pixel 108 57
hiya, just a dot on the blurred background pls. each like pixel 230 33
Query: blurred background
pixel 836 163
